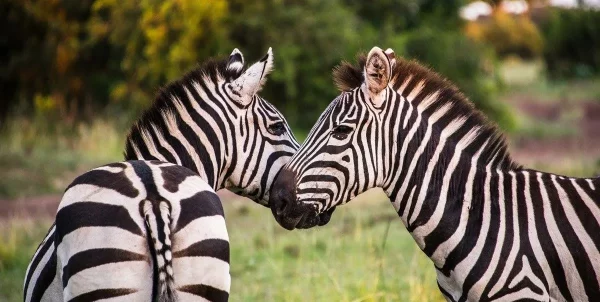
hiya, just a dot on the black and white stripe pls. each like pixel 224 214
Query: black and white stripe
pixel 154 229
pixel 494 230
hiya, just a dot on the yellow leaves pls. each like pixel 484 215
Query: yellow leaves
pixel 199 19
pixel 63 58
pixel 119 91
pixel 156 38
pixel 173 31
pixel 44 103
pixel 160 39
pixel 475 31
pixel 103 4
pixel 508 34
pixel 98 29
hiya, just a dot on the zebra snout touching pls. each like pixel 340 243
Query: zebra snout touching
pixel 288 211
pixel 283 200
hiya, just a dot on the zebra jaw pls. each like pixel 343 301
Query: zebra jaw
pixel 301 217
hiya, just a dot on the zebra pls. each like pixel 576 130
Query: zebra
pixel 152 227
pixel 493 229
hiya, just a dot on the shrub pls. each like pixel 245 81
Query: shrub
pixel 572 42
pixel 508 35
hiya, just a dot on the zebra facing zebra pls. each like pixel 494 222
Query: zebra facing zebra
pixel 493 229
pixel 152 228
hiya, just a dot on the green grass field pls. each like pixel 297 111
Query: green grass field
pixel 363 254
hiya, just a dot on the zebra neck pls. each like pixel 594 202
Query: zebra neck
pixel 185 141
pixel 439 194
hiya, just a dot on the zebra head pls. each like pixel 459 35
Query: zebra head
pixel 213 122
pixel 264 140
pixel 341 155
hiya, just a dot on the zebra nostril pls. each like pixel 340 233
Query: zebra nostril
pixel 286 201
pixel 280 209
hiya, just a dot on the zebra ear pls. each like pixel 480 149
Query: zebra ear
pixel 235 63
pixel 251 81
pixel 378 70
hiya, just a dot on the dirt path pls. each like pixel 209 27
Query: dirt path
pixel 38 206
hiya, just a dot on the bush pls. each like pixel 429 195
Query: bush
pixel 467 64
pixel 572 42
pixel 508 35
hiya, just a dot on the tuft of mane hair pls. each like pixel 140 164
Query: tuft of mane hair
pixel 409 75
pixel 212 68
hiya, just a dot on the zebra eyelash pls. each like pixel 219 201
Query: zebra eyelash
pixel 341 132
pixel 277 128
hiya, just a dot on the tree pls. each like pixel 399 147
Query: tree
pixel 309 37
pixel 157 41
pixel 46 54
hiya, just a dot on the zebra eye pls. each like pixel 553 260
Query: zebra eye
pixel 341 132
pixel 277 128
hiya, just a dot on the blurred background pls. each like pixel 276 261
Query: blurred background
pixel 74 75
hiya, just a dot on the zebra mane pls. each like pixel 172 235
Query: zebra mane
pixel 164 103
pixel 409 78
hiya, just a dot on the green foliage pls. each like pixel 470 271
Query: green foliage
pixel 308 41
pixel 573 39
pixel 158 40
pixel 391 17
pixel 46 52
pixel 96 54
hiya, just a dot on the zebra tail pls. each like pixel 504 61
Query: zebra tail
pixel 157 216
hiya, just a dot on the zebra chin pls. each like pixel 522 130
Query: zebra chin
pixel 301 217
pixel 288 211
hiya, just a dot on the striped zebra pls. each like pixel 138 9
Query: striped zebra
pixel 494 230
pixel 152 228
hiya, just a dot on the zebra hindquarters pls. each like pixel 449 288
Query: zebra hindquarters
pixel 201 249
pixel 197 239
pixel 102 250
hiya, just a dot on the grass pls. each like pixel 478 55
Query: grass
pixel 39 157
pixel 527 79
pixel 573 167
pixel 516 72
pixel 560 91
pixel 18 241
pixel 363 254
pixel 537 128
